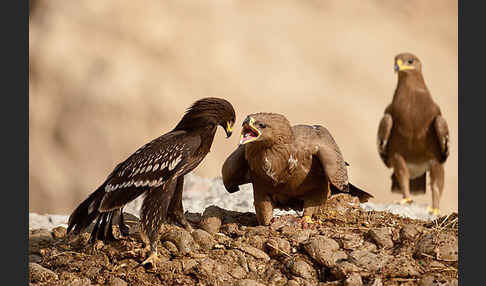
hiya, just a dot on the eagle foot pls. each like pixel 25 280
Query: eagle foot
pixel 406 201
pixel 308 222
pixel 434 211
pixel 153 259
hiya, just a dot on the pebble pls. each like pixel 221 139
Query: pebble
pixel 38 273
pixel 204 239
pixel 382 237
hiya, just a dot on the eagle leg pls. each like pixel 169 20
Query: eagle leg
pixel 263 207
pixel 153 214
pixel 401 177
pixel 312 204
pixel 176 210
pixel 436 186
pixel 124 230
pixel 153 258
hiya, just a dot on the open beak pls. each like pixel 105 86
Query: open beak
pixel 249 133
pixel 228 129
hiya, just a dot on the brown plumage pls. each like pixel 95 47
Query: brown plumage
pixel 156 169
pixel 413 137
pixel 290 167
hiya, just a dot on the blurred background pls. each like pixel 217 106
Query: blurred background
pixel 108 76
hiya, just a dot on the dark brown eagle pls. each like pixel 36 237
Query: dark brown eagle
pixel 290 167
pixel 156 169
pixel 413 137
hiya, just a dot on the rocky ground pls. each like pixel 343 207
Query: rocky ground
pixel 351 246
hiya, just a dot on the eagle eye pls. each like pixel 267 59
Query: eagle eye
pixel 410 62
pixel 262 125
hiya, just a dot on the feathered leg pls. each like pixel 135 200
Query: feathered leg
pixel 263 207
pixel 176 210
pixel 402 177
pixel 152 215
pixel 436 186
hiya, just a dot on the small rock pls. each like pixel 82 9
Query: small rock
pixel 212 219
pixel 436 280
pixel 115 281
pixel 400 267
pixel 353 280
pixel 344 269
pixel 368 246
pixel 59 232
pixel 324 250
pixel 382 237
pixel 303 235
pixel 349 241
pixel 188 264
pixel 368 260
pixel 277 246
pixel 230 229
pixel 293 283
pixel 409 232
pixel 256 241
pixel 377 282
pixel 303 269
pixel 249 282
pixel 170 246
pixel 442 246
pixel 79 282
pixel 181 238
pixel 37 273
pixel 204 239
pixel 255 252
pixel 238 272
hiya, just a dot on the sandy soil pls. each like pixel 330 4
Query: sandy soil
pixel 107 76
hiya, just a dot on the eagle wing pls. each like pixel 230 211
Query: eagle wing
pixel 327 151
pixel 384 130
pixel 442 133
pixel 151 166
pixel 235 170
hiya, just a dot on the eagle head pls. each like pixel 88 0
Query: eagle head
pixel 209 111
pixel 266 129
pixel 406 62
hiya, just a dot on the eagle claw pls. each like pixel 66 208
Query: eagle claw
pixel 434 211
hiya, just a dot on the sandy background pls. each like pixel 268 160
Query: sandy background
pixel 108 76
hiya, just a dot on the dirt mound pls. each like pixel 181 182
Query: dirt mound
pixel 350 246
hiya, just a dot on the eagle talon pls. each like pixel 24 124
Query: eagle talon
pixel 153 259
pixel 406 201
pixel 434 211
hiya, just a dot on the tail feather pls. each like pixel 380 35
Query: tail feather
pixel 357 192
pixel 353 191
pixel 86 212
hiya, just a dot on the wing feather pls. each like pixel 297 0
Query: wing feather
pixel 442 133
pixel 151 166
pixel 235 170
pixel 384 130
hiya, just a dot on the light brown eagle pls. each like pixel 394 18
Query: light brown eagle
pixel 413 137
pixel 156 169
pixel 290 167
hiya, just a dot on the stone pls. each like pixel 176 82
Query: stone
pixel 203 238
pixel 38 273
pixel 382 237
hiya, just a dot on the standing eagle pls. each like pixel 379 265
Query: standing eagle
pixel 413 137
pixel 156 169
pixel 290 167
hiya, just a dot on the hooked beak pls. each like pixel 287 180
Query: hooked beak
pixel 400 66
pixel 228 129
pixel 249 133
